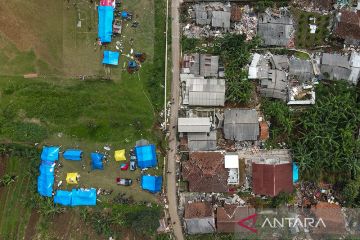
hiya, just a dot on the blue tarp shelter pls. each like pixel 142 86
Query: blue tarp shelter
pixel 50 154
pixel 45 184
pixel 111 58
pixel 124 14
pixel 83 197
pixel 151 183
pixel 47 167
pixel 105 22
pixel 63 197
pixel 97 160
pixel 146 156
pixel 73 154
pixel 295 173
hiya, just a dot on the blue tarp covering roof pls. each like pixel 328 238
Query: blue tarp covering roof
pixel 46 169
pixel 45 185
pixel 111 58
pixel 146 156
pixel 105 22
pixel 50 154
pixel 76 197
pixel 63 197
pixel 295 173
pixel 124 14
pixel 83 197
pixel 73 154
pixel 151 183
pixel 97 160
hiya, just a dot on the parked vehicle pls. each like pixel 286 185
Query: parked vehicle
pixel 132 165
pixel 124 181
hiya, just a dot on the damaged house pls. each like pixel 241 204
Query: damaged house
pixel 198 91
pixel 347 26
pixel 335 66
pixel 204 65
pixel 216 15
pixel 241 125
pixel 205 172
pixel 276 28
pixel 229 215
pixel 199 218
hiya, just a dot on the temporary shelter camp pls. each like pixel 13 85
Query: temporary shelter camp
pixel 151 183
pixel 120 155
pixel 97 160
pixel 72 178
pixel 73 154
pixel 62 197
pixel 50 154
pixel 146 156
pixel 105 22
pixel 46 178
pixel 111 58
pixel 83 197
pixel 77 197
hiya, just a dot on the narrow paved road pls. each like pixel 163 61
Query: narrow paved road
pixel 171 158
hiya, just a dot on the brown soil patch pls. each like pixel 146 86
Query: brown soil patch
pixel 31 227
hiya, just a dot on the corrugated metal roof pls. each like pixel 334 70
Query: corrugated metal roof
pixel 199 218
pixel 202 141
pixel 204 92
pixel 336 73
pixel 302 69
pixel 220 19
pixel 194 125
pixel 241 124
pixel 335 59
pixel 275 86
pixel 209 65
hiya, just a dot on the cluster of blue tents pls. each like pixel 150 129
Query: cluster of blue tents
pixel 76 197
pixel 105 21
pixel 146 156
pixel 46 178
pixel 151 183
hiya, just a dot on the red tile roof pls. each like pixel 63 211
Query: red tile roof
pixel 349 25
pixel 205 172
pixel 229 215
pixel 198 210
pixel 264 130
pixel 271 179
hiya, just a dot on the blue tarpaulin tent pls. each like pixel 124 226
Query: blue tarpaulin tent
pixel 47 167
pixel 111 58
pixel 83 197
pixel 97 160
pixel 124 14
pixel 73 154
pixel 151 183
pixel 63 197
pixel 45 185
pixel 295 173
pixel 50 154
pixel 105 21
pixel 146 156
pixel 132 64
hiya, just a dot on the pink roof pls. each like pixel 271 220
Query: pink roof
pixel 110 3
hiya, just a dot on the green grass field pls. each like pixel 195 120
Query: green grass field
pixel 58 108
pixel 304 39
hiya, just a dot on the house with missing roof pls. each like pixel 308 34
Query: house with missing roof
pixel 205 172
pixel 241 124
pixel 232 165
pixel 215 16
pixel 229 215
pixel 276 28
pixel 347 26
pixel 199 218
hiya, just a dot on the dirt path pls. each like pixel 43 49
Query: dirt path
pixel 171 158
